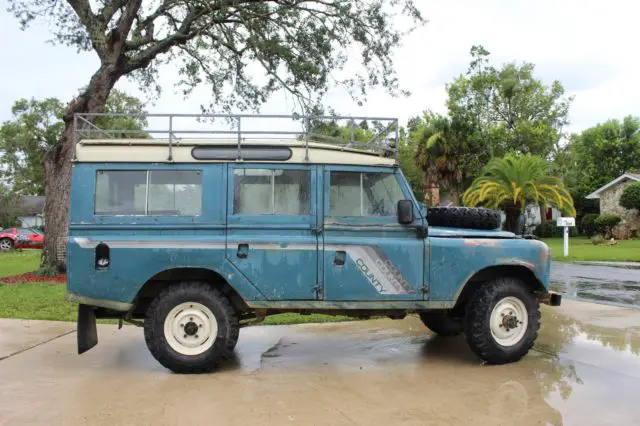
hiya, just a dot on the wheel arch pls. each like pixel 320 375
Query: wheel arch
pixel 482 276
pixel 161 280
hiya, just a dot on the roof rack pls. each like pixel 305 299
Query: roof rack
pixel 381 133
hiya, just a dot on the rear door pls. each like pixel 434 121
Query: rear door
pixel 368 255
pixel 272 228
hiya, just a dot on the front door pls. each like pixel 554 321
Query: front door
pixel 368 255
pixel 271 228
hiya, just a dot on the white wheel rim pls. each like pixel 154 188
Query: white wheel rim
pixel 190 328
pixel 5 245
pixel 509 321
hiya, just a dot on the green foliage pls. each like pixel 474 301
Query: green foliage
pixel 602 153
pixel 413 174
pixel 508 108
pixel 35 130
pixel 9 203
pixel 551 230
pixel 19 262
pixel 630 198
pixel 606 222
pixel 517 181
pixel 588 224
pixel 442 152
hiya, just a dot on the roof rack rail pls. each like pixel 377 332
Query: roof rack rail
pixel 372 134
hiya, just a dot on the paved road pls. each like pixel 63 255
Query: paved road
pixel 595 282
pixel 584 370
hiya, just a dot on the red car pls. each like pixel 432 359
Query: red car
pixel 20 238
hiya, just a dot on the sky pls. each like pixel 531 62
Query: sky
pixel 585 44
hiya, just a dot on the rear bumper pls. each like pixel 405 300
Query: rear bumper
pixel 551 299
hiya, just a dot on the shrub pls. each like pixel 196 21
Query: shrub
pixel 606 222
pixel 588 225
pixel 550 230
pixel 630 198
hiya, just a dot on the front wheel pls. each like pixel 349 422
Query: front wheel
pixel 6 244
pixel 190 327
pixel 502 321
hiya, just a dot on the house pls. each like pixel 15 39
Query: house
pixel 609 196
pixel 31 211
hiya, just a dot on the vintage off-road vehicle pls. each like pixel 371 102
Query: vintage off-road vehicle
pixel 200 237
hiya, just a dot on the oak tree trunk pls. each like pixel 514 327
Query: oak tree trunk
pixel 58 164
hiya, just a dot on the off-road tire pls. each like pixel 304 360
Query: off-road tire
pixel 477 326
pixel 5 240
pixel 442 323
pixel 464 217
pixel 198 292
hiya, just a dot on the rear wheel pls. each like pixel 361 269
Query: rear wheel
pixel 190 327
pixel 6 244
pixel 502 321
pixel 443 323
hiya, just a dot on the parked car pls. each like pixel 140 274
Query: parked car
pixel 193 238
pixel 20 238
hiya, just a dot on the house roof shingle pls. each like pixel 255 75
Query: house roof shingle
pixel 596 194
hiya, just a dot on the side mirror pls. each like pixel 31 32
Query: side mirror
pixel 405 212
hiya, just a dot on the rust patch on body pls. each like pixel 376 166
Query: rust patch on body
pixel 481 242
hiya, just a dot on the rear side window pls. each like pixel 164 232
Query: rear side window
pixel 271 192
pixel 364 194
pixel 149 192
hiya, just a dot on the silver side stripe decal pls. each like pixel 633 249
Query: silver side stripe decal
pixel 372 262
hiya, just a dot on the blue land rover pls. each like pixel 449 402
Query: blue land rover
pixel 194 238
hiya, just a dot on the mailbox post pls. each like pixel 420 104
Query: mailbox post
pixel 566 222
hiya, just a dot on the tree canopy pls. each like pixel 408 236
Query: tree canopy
pixel 601 153
pixel 510 110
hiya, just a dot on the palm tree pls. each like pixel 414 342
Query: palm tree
pixel 510 183
pixel 439 150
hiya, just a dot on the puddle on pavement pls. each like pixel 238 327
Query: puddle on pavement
pixel 378 372
pixel 597 283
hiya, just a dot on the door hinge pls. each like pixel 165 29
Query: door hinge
pixel 316 230
pixel 318 292
pixel 425 291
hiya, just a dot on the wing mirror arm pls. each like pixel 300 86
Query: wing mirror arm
pixel 406 217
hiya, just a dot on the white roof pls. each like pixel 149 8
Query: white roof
pixel 157 151
pixel 596 194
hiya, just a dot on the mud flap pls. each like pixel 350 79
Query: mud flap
pixel 87 331
pixel 551 299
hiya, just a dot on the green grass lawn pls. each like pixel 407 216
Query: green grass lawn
pixel 581 248
pixel 46 302
pixel 15 262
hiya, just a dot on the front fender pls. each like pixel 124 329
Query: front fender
pixel 453 261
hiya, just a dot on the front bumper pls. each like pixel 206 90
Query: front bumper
pixel 551 298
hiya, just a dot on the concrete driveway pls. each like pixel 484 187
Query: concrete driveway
pixel 585 370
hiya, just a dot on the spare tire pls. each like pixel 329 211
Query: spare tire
pixel 464 217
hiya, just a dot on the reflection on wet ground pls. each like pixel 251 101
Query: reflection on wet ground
pixel 584 369
pixel 597 283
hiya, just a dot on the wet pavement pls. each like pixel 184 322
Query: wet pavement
pixel 584 369
pixel 619 285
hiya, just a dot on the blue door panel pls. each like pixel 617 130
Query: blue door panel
pixel 383 260
pixel 277 253
pixel 376 268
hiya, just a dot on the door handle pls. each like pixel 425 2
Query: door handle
pixel 340 257
pixel 243 251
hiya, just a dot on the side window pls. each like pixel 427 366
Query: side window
pixel 175 192
pixel 364 194
pixel 271 192
pixel 149 192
